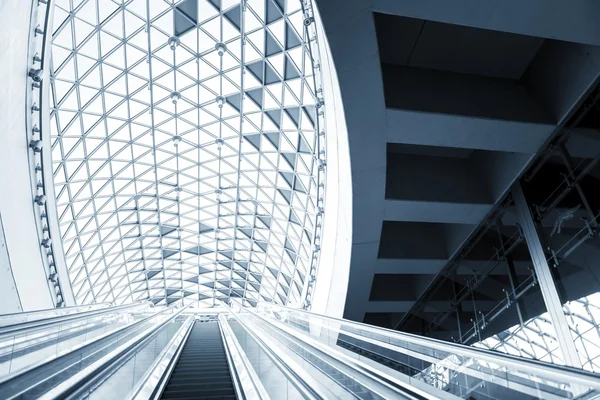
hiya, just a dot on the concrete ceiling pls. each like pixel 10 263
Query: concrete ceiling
pixel 446 107
pixel 420 43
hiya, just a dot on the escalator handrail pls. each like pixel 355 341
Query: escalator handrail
pixel 95 305
pixel 406 389
pixel 79 347
pixel 170 355
pixel 539 368
pixel 528 389
pixel 250 384
pixel 25 328
pixel 305 390
pixel 237 386
pixel 97 372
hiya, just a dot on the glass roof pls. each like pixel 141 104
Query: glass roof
pixel 537 339
pixel 185 149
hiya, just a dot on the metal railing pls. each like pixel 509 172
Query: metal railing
pixel 42 376
pixel 452 367
pixel 27 344
pixel 22 317
pixel 130 362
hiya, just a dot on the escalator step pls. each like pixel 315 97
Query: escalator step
pixel 201 371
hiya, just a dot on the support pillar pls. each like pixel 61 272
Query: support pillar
pixel 545 279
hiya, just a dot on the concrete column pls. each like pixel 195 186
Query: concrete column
pixel 545 279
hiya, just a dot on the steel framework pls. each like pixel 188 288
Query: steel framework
pixel 187 167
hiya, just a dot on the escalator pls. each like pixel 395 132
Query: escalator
pixel 202 371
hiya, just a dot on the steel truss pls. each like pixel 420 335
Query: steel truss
pixel 187 167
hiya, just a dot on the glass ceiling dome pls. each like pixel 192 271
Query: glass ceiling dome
pixel 185 149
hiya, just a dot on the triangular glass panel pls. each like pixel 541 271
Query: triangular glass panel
pixel 274 138
pixel 205 228
pixel 291 72
pixel 216 3
pixel 274 13
pixel 270 75
pixel 152 273
pixel 291 38
pixel 168 253
pixel 234 16
pixel 165 230
pixel 288 177
pixel 254 140
pixel 258 70
pixel 290 158
pixel 287 195
pixel 303 146
pixel 256 95
pixel 294 218
pixel 235 100
pixel 271 45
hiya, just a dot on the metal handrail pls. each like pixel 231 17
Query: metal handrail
pixel 306 391
pixel 237 385
pixel 170 354
pixel 97 372
pixel 80 346
pixel 388 382
pixel 424 376
pixel 33 326
pixel 535 367
pixel 53 309
pixel 254 388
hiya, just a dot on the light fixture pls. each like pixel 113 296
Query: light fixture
pixel 40 199
pixel 175 96
pixel 220 101
pixel 174 42
pixel 176 140
pixel 36 74
pixel 36 145
pixel 219 142
pixel 221 48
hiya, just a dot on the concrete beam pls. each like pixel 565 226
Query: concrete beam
pixel 432 306
pixel 434 179
pixel 560 74
pixel 409 266
pixel 446 92
pixel 555 19
pixel 433 211
pixel 500 170
pixel 433 129
pixel 584 143
pixel 470 267
pixel 433 266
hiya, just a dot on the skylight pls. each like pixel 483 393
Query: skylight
pixel 185 149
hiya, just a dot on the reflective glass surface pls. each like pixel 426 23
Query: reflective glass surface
pixel 537 338
pixel 185 149
pixel 431 364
